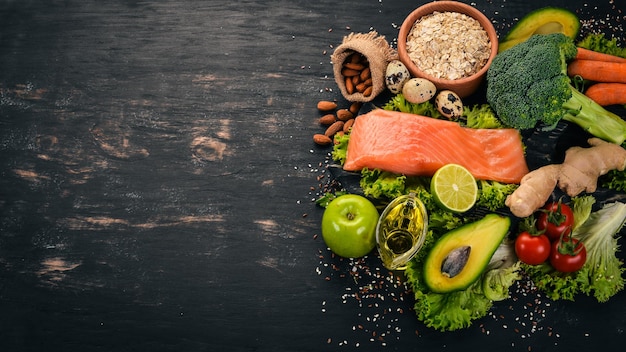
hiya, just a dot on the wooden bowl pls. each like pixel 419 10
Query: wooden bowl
pixel 464 86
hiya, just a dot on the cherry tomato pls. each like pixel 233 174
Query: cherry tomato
pixel 568 255
pixel 532 249
pixel 556 220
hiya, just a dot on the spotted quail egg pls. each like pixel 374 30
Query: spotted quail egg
pixel 396 76
pixel 418 90
pixel 449 104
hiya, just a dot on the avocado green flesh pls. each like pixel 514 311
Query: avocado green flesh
pixel 548 28
pixel 482 237
pixel 542 21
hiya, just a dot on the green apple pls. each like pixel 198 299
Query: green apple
pixel 349 225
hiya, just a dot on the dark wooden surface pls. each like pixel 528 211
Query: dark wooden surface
pixel 157 178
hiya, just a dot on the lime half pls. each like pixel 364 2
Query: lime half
pixel 454 188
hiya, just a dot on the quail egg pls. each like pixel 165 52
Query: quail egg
pixel 396 76
pixel 449 104
pixel 418 90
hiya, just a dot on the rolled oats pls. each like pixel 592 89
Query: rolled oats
pixel 448 45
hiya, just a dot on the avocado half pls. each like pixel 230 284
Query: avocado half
pixel 545 20
pixel 460 256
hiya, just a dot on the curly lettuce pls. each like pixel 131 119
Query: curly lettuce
pixel 492 194
pixel 399 103
pixel 496 282
pixel 340 147
pixel 481 116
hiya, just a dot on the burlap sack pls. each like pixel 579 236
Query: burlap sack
pixel 378 53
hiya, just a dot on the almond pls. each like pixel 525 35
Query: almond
pixel 355 107
pixel 321 139
pixel 334 128
pixel 349 85
pixel 368 91
pixel 365 74
pixel 353 66
pixel 324 105
pixel 347 72
pixel 344 115
pixel 327 119
pixel 347 125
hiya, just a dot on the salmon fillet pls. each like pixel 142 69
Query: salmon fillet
pixel 415 145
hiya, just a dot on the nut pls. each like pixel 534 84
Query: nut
pixel 324 105
pixel 347 125
pixel 327 119
pixel 334 128
pixel 355 107
pixel 344 115
pixel 321 139
pixel 357 74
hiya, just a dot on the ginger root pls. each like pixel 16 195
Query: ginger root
pixel 579 172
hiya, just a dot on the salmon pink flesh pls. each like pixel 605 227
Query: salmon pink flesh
pixel 415 145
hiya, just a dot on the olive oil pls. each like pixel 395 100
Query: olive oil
pixel 401 231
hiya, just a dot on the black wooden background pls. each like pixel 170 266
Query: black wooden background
pixel 157 178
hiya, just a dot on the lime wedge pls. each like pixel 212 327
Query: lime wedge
pixel 454 188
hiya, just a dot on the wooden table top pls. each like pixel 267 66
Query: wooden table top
pixel 158 178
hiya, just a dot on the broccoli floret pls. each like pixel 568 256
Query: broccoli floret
pixel 528 85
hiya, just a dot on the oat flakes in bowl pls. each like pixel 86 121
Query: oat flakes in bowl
pixel 449 43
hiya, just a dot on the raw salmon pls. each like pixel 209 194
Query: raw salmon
pixel 415 145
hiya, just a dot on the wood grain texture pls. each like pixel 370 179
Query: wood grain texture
pixel 157 174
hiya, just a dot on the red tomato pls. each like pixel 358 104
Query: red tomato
pixel 532 249
pixel 555 219
pixel 568 255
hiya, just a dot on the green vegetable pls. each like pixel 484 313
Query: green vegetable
pixel 528 85
pixel 496 282
pixel 451 311
pixel 556 285
pixel 603 268
pixel 480 116
pixel 382 184
pixel 614 179
pixel 340 148
pixel 582 207
pixel 399 103
pixel 601 276
pixel 492 194
pixel 328 197
pixel 600 43
pixel 444 311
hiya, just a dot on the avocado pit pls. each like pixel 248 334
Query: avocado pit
pixel 455 261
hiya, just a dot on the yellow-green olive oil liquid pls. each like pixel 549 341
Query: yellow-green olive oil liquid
pixel 401 230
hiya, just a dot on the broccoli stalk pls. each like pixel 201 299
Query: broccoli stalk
pixel 593 118
pixel 528 85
